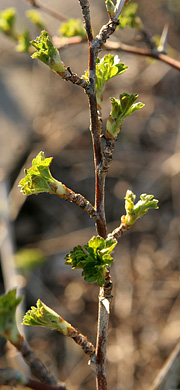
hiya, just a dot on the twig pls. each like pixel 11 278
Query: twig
pixel 120 230
pixel 38 369
pixel 48 10
pixel 9 377
pixel 169 376
pixel 77 199
pixel 143 52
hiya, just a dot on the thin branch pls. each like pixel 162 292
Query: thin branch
pixel 143 52
pixel 38 368
pixel 77 199
pixel 169 376
pixel 74 78
pixel 48 10
pixel 120 230
pixel 10 377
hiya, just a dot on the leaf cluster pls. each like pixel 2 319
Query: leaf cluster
pixel 107 67
pixel 135 211
pixel 94 258
pixel 47 53
pixel 44 316
pixel 71 28
pixel 121 108
pixel 37 177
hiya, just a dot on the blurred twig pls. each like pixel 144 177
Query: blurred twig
pixel 48 10
pixel 169 376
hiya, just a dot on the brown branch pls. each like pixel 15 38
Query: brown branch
pixel 82 341
pixel 10 377
pixel 38 368
pixel 143 52
pixel 120 230
pixel 77 199
pixel 108 153
pixel 74 78
pixel 169 376
pixel 48 10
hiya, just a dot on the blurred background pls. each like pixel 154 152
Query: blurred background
pixel 39 111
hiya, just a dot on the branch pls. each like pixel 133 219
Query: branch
pixel 143 52
pixel 169 376
pixel 43 316
pixel 48 10
pixel 77 199
pixel 9 377
pixel 38 368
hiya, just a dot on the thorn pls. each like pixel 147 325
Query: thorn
pixel 163 40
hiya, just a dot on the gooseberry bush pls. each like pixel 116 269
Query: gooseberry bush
pixel 96 256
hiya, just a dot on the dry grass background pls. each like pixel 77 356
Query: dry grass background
pixel 38 111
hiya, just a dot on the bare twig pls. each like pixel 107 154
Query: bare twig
pixel 48 10
pixel 74 78
pixel 38 368
pixel 169 376
pixel 9 377
pixel 143 52
pixel 77 199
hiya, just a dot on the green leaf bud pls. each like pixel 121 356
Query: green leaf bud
pixel 121 108
pixel 39 179
pixel 107 67
pixel 47 53
pixel 135 211
pixel 43 316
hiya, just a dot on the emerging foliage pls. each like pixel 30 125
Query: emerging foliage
pixel 8 305
pixel 94 259
pixel 43 316
pixel 135 211
pixel 121 108
pixel 47 53
pixel 38 178
pixel 73 27
pixel 107 67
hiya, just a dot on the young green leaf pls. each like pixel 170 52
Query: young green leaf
pixel 39 179
pixel 8 327
pixel 94 259
pixel 7 21
pixel 47 53
pixel 36 19
pixel 129 17
pixel 107 67
pixel 71 28
pixel 121 108
pixel 135 211
pixel 43 316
